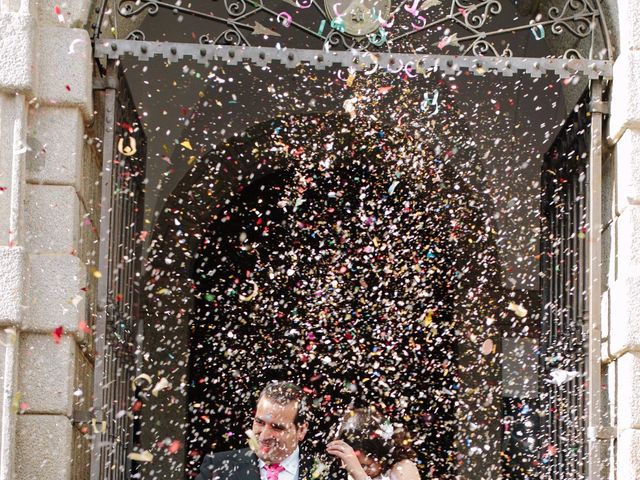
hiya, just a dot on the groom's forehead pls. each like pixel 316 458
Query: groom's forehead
pixel 269 410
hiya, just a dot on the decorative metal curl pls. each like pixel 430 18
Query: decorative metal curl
pixel 582 15
pixel 229 37
pixel 136 35
pixel 235 8
pixel 205 40
pixel 481 47
pixel 474 18
pixel 336 37
pixel 572 54
pixel 126 7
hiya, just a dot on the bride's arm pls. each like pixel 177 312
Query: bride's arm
pixel 404 470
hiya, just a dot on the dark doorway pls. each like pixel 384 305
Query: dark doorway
pixel 316 272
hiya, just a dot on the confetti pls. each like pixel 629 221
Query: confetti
pixel 144 456
pixel 519 310
pixel 57 334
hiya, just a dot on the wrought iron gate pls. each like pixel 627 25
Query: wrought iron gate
pixel 119 288
pixel 564 352
pixel 472 36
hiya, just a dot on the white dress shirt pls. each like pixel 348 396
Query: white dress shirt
pixel 291 466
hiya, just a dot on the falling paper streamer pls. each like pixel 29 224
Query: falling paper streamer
pixel 162 384
pixel 252 295
pixel 75 301
pixel 519 310
pixel 143 456
pixel 449 40
pixel 429 4
pixel 487 347
pixel 136 382
pixel 559 377
pixel 252 440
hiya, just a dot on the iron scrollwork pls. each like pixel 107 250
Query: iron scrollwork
pixel 458 26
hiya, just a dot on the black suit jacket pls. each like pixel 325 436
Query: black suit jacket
pixel 242 465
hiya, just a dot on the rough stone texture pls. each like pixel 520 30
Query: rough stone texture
pixel 43 447
pixel 52 214
pixel 13 271
pixel 16 52
pixel 605 319
pixel 625 93
pixel 7 118
pixel 629 11
pixel 65 68
pixel 46 373
pixel 56 146
pixel 628 169
pixel 56 280
pixel 74 12
pixel 628 460
pixel 628 255
pixel 625 315
pixel 628 398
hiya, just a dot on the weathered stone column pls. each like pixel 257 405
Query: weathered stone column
pixel 46 200
pixel 621 303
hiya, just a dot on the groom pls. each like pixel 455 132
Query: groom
pixel 279 426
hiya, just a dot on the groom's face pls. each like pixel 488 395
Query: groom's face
pixel 274 428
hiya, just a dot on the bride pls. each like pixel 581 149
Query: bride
pixel 370 448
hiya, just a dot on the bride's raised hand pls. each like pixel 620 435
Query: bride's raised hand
pixel 350 462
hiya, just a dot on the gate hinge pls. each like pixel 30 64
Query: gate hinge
pixel 600 107
pixel 601 433
pixel 105 83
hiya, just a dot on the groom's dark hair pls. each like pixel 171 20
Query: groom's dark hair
pixel 283 393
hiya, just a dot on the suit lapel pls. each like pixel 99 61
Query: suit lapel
pixel 249 467
pixel 305 465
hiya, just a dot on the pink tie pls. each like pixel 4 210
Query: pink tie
pixel 273 471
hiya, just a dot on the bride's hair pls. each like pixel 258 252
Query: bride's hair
pixel 368 431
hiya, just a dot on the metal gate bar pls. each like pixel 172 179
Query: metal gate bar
pixel 118 298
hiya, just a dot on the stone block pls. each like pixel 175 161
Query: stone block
pixel 52 218
pixel 74 13
pixel 628 397
pixel 628 236
pixel 56 145
pixel 605 319
pixel 628 456
pixel 43 447
pixel 17 35
pixel 46 373
pixel 625 94
pixel 624 333
pixel 628 169
pixel 13 278
pixel 629 24
pixel 55 297
pixel 65 68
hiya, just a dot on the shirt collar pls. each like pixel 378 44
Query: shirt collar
pixel 290 463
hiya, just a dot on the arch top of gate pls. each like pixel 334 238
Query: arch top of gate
pixel 567 29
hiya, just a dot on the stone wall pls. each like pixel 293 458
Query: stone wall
pixel 621 250
pixel 48 238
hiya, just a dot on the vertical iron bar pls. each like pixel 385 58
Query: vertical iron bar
pixel 594 403
pixel 97 460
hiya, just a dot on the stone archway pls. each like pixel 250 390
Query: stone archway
pixel 437 286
